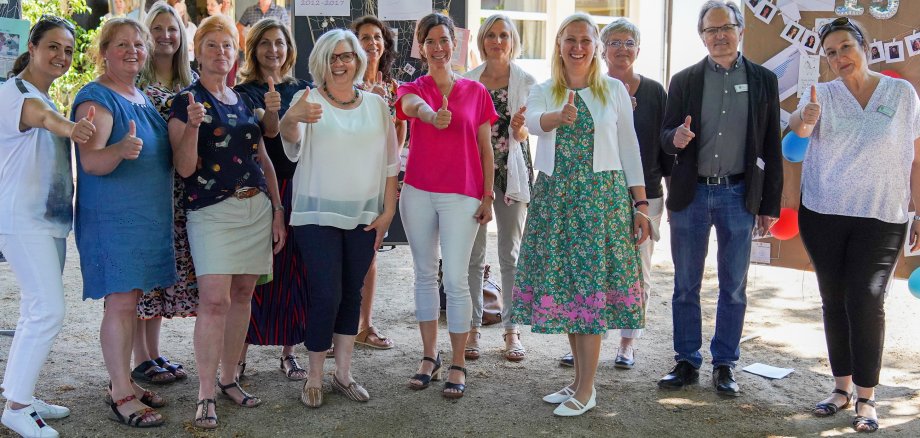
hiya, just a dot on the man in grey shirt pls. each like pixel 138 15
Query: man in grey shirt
pixel 722 125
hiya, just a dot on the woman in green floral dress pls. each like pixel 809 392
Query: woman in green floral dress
pixel 579 270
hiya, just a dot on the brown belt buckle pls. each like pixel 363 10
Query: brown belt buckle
pixel 245 193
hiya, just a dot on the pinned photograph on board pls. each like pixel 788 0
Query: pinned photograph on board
pixel 753 4
pixel 810 41
pixel 876 52
pixel 894 51
pixel 766 11
pixel 793 32
pixel 912 42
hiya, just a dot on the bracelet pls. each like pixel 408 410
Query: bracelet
pixel 278 208
pixel 800 115
pixel 640 202
pixel 916 218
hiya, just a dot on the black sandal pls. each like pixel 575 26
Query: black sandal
pixel 460 387
pixel 204 420
pixel 175 368
pixel 293 367
pixel 149 372
pixel 827 409
pixel 247 397
pixel 136 418
pixel 427 378
pixel 871 424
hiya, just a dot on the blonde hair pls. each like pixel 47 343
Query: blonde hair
pixel 596 81
pixel 108 31
pixel 487 26
pixel 251 70
pixel 181 69
pixel 216 23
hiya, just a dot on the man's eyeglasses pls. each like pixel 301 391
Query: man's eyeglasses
pixel 713 31
pixel 838 24
pixel 345 57
pixel 616 44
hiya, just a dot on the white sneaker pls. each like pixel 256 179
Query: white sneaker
pixel 28 423
pixel 560 396
pixel 49 411
pixel 564 411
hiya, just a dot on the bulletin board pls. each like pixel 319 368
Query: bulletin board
pixel 405 68
pixel 763 41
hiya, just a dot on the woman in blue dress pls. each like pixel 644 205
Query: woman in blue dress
pixel 123 221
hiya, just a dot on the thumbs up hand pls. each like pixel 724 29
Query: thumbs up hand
pixel 305 111
pixel 683 135
pixel 442 117
pixel 379 87
pixel 272 97
pixel 195 112
pixel 517 121
pixel 129 148
pixel 84 130
pixel 569 112
pixel 811 112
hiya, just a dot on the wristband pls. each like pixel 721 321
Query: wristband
pixel 490 194
pixel 641 202
pixel 278 208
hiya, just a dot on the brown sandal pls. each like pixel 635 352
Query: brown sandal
pixel 148 398
pixel 364 337
pixel 514 351
pixel 141 418
pixel 472 351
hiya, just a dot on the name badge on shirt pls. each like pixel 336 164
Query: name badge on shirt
pixel 885 110
pixel 760 163
pixel 741 88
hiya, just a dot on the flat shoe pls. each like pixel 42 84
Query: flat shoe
pixel 312 397
pixel 204 421
pixel 49 411
pixel 27 422
pixel 364 338
pixel 352 390
pixel 559 396
pixel 564 411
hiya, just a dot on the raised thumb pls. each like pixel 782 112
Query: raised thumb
pixel 522 110
pixel 191 98
pixel 379 77
pixel 571 98
pixel 444 103
pixel 91 114
pixel 306 93
pixel 814 94
pixel 271 85
pixel 687 122
pixel 132 128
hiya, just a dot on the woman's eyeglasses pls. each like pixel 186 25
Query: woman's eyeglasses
pixel 345 57
pixel 616 44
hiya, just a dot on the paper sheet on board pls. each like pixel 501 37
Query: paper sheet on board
pixel 816 5
pixel 392 10
pixel 785 65
pixel 808 73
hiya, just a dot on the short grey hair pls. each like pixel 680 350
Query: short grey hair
pixel 487 26
pixel 722 4
pixel 325 47
pixel 620 25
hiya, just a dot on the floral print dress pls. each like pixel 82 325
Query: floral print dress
pixel 181 299
pixel 500 141
pixel 578 271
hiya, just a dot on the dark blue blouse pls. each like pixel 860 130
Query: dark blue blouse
pixel 254 94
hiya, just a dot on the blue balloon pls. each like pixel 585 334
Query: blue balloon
pixel 794 147
pixel 913 283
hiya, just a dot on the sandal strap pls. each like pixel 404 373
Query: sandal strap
pixel 867 401
pixel 435 362
pixel 578 405
pixel 458 368
pixel 294 366
pixel 246 396
pixel 205 404
pixel 124 400
pixel 842 392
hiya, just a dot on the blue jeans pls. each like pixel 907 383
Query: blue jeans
pixel 721 206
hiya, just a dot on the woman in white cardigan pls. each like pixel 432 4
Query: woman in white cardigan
pixel 499 43
pixel 579 269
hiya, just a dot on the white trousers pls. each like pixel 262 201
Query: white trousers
pixel 38 263
pixel 655 209
pixel 447 219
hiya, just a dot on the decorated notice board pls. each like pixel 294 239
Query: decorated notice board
pixel 782 36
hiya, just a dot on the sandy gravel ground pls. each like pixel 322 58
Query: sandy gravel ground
pixel 503 399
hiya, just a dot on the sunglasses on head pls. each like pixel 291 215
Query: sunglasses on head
pixel 838 24
pixel 55 20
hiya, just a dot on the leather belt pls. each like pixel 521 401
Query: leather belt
pixel 719 180
pixel 246 193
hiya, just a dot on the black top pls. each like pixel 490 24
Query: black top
pixel 228 143
pixel 254 96
pixel 763 162
pixel 650 102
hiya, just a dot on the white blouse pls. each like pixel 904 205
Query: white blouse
pixel 343 161
pixel 858 162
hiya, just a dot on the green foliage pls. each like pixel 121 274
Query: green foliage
pixel 83 69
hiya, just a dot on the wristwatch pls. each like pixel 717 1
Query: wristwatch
pixel 640 202
pixel 490 194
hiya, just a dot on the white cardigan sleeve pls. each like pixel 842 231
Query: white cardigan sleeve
pixel 627 142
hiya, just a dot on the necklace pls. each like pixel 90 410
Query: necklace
pixel 353 100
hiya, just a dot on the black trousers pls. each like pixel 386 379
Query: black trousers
pixel 337 261
pixel 854 259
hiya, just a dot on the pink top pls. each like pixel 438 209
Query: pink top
pixel 447 160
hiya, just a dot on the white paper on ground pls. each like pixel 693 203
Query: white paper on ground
pixel 768 371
